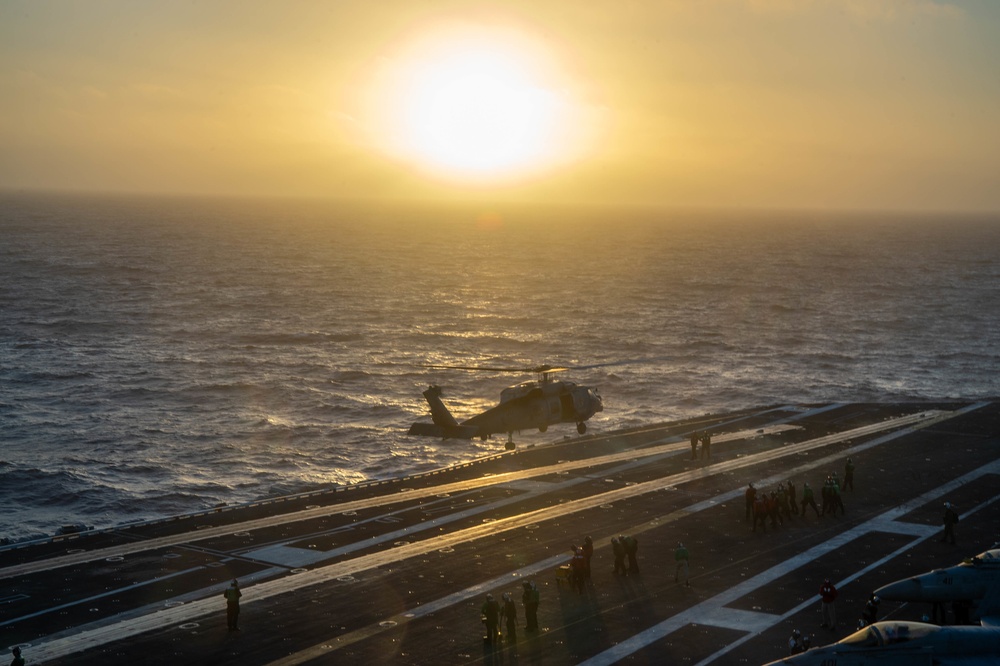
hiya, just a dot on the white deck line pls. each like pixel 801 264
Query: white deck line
pixel 406 495
pixel 705 612
pixel 715 615
pixel 711 612
pixel 91 638
pixel 740 620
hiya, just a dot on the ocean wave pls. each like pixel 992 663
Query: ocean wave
pixel 51 376
pixel 150 372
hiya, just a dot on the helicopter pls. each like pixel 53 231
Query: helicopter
pixel 524 406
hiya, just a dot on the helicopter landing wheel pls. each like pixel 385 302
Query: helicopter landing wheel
pixel 581 428
pixel 510 446
pixel 543 428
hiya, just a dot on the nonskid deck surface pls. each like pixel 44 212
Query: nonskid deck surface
pixel 396 573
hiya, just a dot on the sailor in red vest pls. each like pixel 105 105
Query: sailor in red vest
pixel 827 595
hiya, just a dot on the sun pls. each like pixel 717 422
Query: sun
pixel 478 112
pixel 473 103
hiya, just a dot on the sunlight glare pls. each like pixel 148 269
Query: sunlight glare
pixel 473 105
pixel 478 113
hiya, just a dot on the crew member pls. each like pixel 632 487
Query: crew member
pixel 232 595
pixel 795 642
pixel 835 496
pixel 577 568
pixel 849 474
pixel 828 594
pixel 825 496
pixel 749 496
pixel 772 510
pixel 509 613
pixel 682 558
pixel 530 598
pixel 950 518
pixel 808 500
pixel 783 502
pixel 490 615
pixel 618 549
pixel 760 512
pixel 694 446
pixel 18 659
pixel 870 613
pixel 631 548
pixel 588 554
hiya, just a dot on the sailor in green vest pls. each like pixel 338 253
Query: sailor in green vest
pixel 835 498
pixel 808 500
pixel 682 558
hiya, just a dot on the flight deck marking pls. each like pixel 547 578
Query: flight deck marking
pixel 96 637
pixel 878 525
pixel 282 554
pixel 739 620
pixel 345 508
pixel 151 608
pixel 711 612
pixel 699 613
pixel 265 590
pixel 109 593
pixel 421 611
pixel 13 597
pixel 287 557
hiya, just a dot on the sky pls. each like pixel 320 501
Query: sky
pixel 829 104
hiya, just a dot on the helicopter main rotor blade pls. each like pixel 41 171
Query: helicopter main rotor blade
pixel 487 368
pixel 611 364
pixel 545 368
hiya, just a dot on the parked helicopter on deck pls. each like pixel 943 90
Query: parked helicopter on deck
pixel 532 404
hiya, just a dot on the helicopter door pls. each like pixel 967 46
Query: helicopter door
pixel 555 408
pixel 568 408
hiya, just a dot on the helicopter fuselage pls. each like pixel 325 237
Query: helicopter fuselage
pixel 525 406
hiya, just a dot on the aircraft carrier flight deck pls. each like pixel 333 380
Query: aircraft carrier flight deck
pixel 396 572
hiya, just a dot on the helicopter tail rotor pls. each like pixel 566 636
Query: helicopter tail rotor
pixel 444 424
pixel 439 412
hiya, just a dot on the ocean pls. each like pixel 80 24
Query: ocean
pixel 164 355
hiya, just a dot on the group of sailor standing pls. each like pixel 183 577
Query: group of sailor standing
pixel 493 614
pixel 781 503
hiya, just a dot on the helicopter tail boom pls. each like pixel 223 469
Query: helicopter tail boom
pixel 432 430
